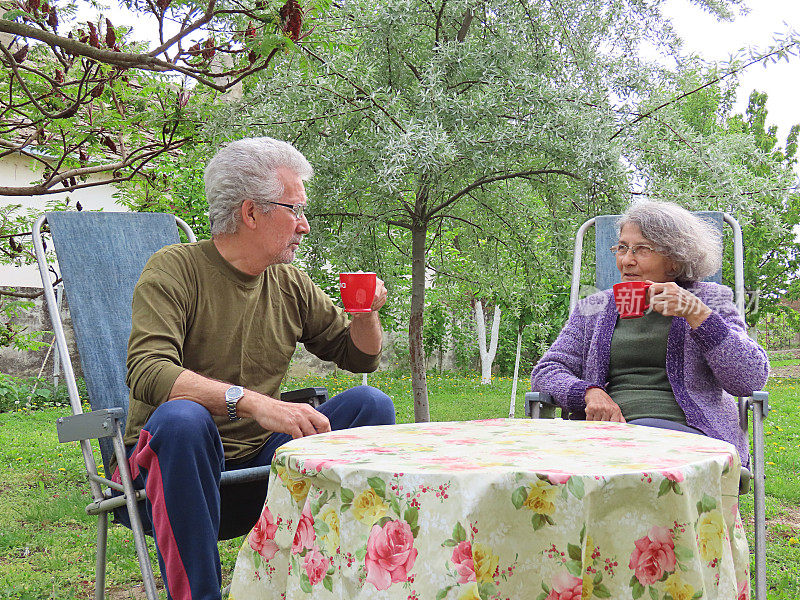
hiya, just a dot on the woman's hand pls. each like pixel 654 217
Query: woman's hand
pixel 671 300
pixel 600 407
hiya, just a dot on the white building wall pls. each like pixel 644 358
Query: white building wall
pixel 17 170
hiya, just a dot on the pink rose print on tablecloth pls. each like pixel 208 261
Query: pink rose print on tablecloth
pixel 462 560
pixel 743 590
pixel 317 464
pixel 673 475
pixel 390 554
pixel 653 556
pixel 316 566
pixel 555 476
pixel 262 537
pixel 304 537
pixel 565 587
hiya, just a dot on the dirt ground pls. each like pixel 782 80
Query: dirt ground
pixel 785 525
pixel 788 370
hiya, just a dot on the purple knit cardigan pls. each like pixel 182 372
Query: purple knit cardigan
pixel 706 367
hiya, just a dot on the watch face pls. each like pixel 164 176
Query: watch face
pixel 232 396
pixel 234 393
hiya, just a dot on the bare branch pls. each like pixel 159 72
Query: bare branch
pixel 25 295
pixel 137 159
pixel 126 60
pixel 462 33
pixel 491 179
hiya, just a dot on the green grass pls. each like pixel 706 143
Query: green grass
pixel 47 541
pixel 784 362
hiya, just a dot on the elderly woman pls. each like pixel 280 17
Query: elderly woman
pixel 680 365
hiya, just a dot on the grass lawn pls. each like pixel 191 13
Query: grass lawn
pixel 785 362
pixel 47 541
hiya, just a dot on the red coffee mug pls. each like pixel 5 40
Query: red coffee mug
pixel 358 291
pixel 631 298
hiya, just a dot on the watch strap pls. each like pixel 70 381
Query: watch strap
pixel 232 396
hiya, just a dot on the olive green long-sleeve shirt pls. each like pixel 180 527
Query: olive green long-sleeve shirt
pixel 193 310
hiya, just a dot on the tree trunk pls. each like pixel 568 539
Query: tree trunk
pixel 487 356
pixel 419 384
pixel 516 375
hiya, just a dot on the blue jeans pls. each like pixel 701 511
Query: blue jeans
pixel 179 460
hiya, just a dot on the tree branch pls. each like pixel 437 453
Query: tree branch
pixel 462 33
pixel 136 159
pixel 26 295
pixel 486 180
pixel 705 85
pixel 127 60
pixel 357 87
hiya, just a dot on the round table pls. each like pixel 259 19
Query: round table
pixel 517 509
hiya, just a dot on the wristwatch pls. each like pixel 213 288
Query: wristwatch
pixel 232 396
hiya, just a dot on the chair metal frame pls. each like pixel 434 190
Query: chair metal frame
pixel 110 423
pixel 541 405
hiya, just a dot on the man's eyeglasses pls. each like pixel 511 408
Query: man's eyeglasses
pixel 297 209
pixel 638 250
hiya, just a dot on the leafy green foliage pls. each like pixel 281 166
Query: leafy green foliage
pixel 699 155
pixel 30 393
pixel 439 130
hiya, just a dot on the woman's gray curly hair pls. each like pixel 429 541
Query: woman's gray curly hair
pixel 692 243
pixel 245 169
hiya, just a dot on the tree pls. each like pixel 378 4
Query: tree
pixel 90 108
pixel 73 92
pixel 731 163
pixel 487 354
pixel 772 253
pixel 416 113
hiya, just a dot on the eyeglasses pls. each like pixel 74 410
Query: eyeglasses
pixel 297 209
pixel 638 250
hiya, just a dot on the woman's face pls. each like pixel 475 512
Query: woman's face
pixel 643 265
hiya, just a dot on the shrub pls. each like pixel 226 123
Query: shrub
pixel 31 393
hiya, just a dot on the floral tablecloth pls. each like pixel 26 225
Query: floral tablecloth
pixel 499 509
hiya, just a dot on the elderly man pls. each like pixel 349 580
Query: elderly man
pixel 214 326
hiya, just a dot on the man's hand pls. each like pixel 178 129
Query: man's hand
pixel 298 419
pixel 600 407
pixel 365 328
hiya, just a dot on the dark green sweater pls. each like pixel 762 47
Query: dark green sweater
pixel 193 310
pixel 637 375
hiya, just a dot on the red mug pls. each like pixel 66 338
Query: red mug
pixel 631 298
pixel 358 291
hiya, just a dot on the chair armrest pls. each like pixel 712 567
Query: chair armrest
pixel 311 395
pixel 744 481
pixel 539 405
pixel 88 426
pixel 761 398
pixel 244 475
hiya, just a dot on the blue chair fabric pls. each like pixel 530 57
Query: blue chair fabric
pixel 605 236
pixel 100 257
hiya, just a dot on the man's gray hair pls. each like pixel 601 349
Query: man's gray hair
pixel 694 244
pixel 248 169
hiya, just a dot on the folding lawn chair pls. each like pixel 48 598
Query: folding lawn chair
pixel 100 257
pixel 538 405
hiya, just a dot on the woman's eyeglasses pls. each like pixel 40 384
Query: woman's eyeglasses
pixel 638 250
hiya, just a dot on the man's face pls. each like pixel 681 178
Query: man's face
pixel 281 231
